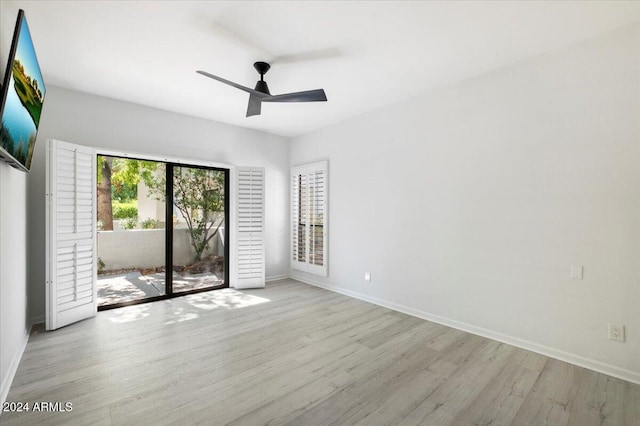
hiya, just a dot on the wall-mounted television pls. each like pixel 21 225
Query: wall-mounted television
pixel 23 92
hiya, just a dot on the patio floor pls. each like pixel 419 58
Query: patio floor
pixel 128 286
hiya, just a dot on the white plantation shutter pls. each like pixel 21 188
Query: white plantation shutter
pixel 250 256
pixel 299 217
pixel 309 225
pixel 71 248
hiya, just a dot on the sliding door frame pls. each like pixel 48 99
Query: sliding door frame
pixel 170 164
pixel 169 235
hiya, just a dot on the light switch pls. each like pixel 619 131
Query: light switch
pixel 576 272
pixel 367 277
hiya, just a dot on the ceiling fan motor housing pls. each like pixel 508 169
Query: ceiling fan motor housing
pixel 262 68
pixel 261 86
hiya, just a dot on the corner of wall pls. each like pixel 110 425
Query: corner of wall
pixel 8 376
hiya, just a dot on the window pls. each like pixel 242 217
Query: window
pixel 309 218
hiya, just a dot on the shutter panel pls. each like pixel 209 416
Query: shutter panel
pixel 250 256
pixel 316 217
pixel 299 218
pixel 309 218
pixel 71 242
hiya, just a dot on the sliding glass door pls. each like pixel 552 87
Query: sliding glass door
pixel 198 243
pixel 161 230
pixel 131 234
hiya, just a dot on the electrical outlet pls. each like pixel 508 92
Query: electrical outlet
pixel 367 277
pixel 616 332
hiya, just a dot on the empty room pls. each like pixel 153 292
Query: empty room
pixel 320 212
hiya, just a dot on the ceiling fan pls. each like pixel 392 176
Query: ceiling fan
pixel 261 92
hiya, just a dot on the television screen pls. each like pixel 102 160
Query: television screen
pixel 22 96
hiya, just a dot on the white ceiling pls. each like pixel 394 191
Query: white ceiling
pixel 364 54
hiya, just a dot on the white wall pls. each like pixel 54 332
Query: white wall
pixel 468 205
pixel 109 124
pixel 14 324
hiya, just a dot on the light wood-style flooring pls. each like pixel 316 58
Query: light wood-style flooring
pixel 300 355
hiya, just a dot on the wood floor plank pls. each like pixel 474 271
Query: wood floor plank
pixel 383 335
pixel 299 355
pixel 631 404
pixel 463 386
pixel 552 397
pixel 600 401
pixel 363 395
pixel 499 401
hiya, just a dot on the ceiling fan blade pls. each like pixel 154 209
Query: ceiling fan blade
pixel 254 107
pixel 316 95
pixel 236 85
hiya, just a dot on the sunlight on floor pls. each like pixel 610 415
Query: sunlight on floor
pixel 180 314
pixel 227 298
pixel 187 307
pixel 129 313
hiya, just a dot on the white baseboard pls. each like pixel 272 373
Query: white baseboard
pixel 277 278
pixel 13 366
pixel 591 364
pixel 37 320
